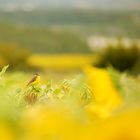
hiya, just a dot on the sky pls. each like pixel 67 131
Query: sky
pixel 97 4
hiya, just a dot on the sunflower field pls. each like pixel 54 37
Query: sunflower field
pixel 96 104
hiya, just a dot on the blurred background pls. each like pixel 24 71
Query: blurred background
pixel 87 53
pixel 68 34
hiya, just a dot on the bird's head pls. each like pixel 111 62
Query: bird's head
pixel 37 74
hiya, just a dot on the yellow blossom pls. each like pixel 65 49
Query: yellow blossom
pixel 6 133
pixel 125 126
pixel 106 96
pixel 52 122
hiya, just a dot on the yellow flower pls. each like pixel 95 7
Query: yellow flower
pixel 106 96
pixel 48 122
pixel 125 126
pixel 6 133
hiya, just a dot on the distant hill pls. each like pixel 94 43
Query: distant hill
pixel 65 31
pixel 80 4
pixel 56 26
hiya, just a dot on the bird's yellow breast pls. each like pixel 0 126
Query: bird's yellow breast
pixel 36 81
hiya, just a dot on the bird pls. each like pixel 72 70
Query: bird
pixel 34 81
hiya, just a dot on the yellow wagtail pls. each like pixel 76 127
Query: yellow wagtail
pixel 34 81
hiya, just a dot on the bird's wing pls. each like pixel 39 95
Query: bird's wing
pixel 32 80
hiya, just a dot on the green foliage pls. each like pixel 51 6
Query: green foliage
pixel 128 87
pixel 62 91
pixel 13 55
pixel 115 75
pixel 18 98
pixel 136 68
pixel 3 70
pixel 121 58
pixel 15 100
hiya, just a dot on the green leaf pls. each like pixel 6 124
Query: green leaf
pixel 3 70
pixel 57 91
